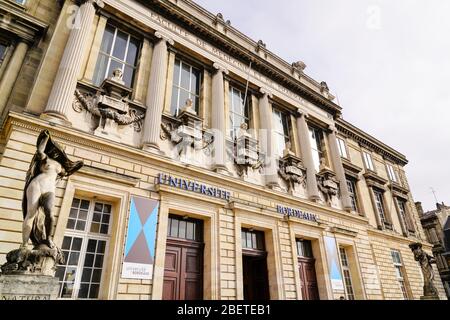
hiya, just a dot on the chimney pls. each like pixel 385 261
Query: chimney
pixel 419 208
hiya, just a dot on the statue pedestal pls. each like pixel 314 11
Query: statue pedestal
pixel 429 298
pixel 28 287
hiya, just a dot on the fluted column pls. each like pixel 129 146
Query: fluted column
pixel 62 94
pixel 156 93
pixel 339 169
pixel 267 141
pixel 308 162
pixel 218 117
pixel 11 73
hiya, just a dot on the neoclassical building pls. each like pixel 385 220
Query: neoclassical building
pixel 213 169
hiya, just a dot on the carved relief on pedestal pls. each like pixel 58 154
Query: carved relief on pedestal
pixel 110 108
pixel 327 182
pixel 291 169
pixel 186 131
pixel 246 153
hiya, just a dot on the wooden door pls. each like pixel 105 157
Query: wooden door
pixel 308 279
pixel 183 271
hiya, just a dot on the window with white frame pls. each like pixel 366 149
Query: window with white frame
pixel 239 113
pixel 399 272
pixel 404 214
pixel 315 137
pixel 391 173
pixel 379 202
pixel 186 85
pixel 347 275
pixel 84 247
pixel 119 50
pixel 342 148
pixel 281 130
pixel 368 161
pixel 351 186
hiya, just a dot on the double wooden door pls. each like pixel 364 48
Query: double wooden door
pixel 183 270
pixel 308 278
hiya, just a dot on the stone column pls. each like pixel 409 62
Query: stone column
pixel 218 118
pixel 266 140
pixel 155 94
pixel 339 169
pixel 305 147
pixel 62 94
pixel 11 73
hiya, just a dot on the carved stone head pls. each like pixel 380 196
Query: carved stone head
pixel 117 76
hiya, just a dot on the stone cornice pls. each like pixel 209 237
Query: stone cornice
pixel 370 142
pixel 176 14
pixel 16 21
pixel 398 238
pixel 351 169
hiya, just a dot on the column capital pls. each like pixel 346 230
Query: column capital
pixel 302 113
pixel 220 68
pixel 168 39
pixel 98 3
pixel 266 91
pixel 332 128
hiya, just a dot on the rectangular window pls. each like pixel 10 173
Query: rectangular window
pixel 184 228
pixel 22 2
pixel 368 161
pixel 391 173
pixel 252 239
pixel 351 186
pixel 404 215
pixel 118 50
pixel 399 271
pixel 347 276
pixel 238 112
pixel 315 137
pixel 281 129
pixel 186 85
pixel 379 202
pixel 84 247
pixel 342 148
pixel 304 248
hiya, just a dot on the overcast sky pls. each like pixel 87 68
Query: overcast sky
pixel 387 61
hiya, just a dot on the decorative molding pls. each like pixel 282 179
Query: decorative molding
pixel 344 231
pixel 351 169
pixel 110 175
pixel 370 142
pixel 292 171
pixel 15 20
pixel 372 179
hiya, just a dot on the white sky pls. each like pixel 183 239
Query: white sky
pixel 387 61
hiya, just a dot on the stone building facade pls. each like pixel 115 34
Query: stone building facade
pixel 436 225
pixel 259 187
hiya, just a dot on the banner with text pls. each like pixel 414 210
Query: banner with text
pixel 141 237
pixel 334 269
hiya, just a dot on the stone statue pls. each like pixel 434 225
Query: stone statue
pixel 118 76
pixel 288 150
pixel 242 131
pixel 49 164
pixel 425 261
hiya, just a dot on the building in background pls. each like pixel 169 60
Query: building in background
pixel 436 225
pixel 213 169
